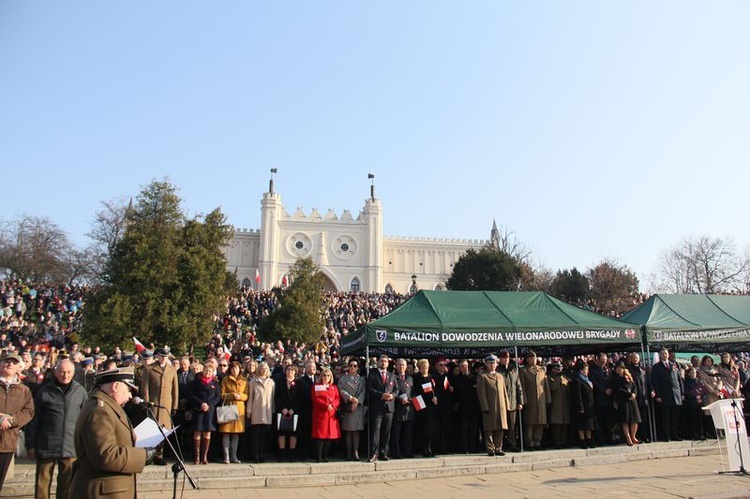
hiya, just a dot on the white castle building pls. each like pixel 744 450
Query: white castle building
pixel 352 252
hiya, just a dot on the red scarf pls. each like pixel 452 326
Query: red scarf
pixel 204 379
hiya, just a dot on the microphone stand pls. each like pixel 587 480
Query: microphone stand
pixel 742 470
pixel 179 465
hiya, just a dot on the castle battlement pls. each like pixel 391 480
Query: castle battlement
pixel 315 216
pixel 248 232
pixel 444 240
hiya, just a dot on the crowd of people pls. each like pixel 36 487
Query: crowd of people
pixel 241 399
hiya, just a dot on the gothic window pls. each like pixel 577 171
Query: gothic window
pixel 389 289
pixel 354 287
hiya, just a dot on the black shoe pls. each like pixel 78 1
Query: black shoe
pixel 491 454
pixel 499 453
pixel 383 457
pixel 408 456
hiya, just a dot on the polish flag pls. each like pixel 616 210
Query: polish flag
pixel 257 276
pixel 418 402
pixel 284 282
pixel 138 345
pixel 427 387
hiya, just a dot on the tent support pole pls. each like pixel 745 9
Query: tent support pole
pixel 520 413
pixel 651 408
pixel 367 422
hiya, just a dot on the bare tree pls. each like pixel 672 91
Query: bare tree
pixel 704 265
pixel 107 230
pixel 505 241
pixel 34 248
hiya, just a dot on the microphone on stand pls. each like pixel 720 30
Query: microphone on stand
pixel 145 403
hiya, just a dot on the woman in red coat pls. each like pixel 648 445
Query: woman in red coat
pixel 325 423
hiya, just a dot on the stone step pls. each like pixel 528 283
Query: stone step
pixel 216 476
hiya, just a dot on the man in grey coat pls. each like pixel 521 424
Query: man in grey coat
pixel 50 435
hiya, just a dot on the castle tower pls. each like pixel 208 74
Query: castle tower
pixel 373 218
pixel 270 238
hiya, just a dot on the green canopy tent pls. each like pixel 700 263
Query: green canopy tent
pixel 472 323
pixel 694 323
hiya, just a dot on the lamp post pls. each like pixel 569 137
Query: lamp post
pixel 413 289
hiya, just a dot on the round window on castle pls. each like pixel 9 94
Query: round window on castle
pixel 344 247
pixel 299 245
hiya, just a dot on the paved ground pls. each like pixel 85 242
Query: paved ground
pixel 675 477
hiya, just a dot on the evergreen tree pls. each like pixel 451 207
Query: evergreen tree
pixel 165 279
pixel 299 316
pixel 485 270
pixel 570 285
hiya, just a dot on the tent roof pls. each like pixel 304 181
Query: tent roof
pixel 695 322
pixel 448 322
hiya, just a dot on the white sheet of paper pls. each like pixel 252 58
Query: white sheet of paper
pixel 147 433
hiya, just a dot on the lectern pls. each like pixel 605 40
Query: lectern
pixel 727 416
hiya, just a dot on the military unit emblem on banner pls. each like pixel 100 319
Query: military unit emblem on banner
pixel 381 334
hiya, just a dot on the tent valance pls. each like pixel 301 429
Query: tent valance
pixel 694 323
pixel 471 323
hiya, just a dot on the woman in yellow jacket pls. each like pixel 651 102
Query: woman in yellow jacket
pixel 233 391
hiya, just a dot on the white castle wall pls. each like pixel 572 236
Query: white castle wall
pixel 344 247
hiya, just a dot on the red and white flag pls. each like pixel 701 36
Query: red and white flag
pixel 427 387
pixel 284 282
pixel 418 402
pixel 139 347
pixel 257 276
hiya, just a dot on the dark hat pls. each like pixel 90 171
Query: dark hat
pixel 87 361
pixel 620 363
pixel 147 354
pixel 123 374
pixel 504 355
pixel 164 352
pixel 491 358
pixel 12 356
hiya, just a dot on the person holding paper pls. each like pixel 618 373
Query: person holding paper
pixel 352 389
pixel 493 401
pixel 325 424
pixel 107 458
pixel 425 403
pixel 286 401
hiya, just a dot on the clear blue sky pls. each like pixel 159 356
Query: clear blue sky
pixel 590 129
